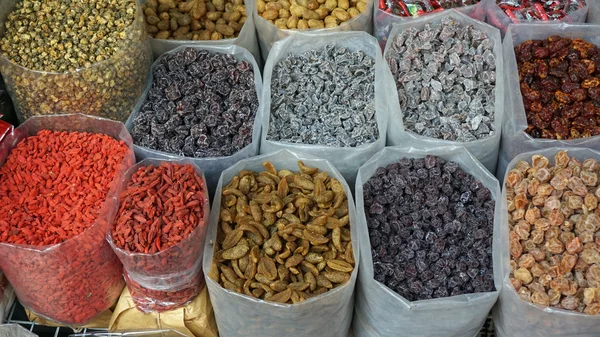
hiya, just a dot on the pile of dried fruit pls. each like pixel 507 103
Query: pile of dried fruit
pixel 161 215
pixel 446 77
pixel 430 227
pixel 324 96
pixel 305 14
pixel 560 86
pixel 283 236
pixel 201 104
pixel 195 19
pixel 52 188
pixel 554 219
pixel 96 51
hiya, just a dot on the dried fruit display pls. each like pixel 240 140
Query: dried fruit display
pixel 560 86
pixel 324 97
pixel 58 58
pixel 431 228
pixel 53 191
pixel 158 234
pixel 283 236
pixel 201 104
pixel 445 74
pixel 309 14
pixel 536 10
pixel 195 19
pixel 554 220
pixel 421 7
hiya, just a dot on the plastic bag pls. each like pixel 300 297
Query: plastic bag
pixel 7 111
pixel 497 18
pixel 14 330
pixel 384 21
pixel 7 297
pixel 381 312
pixel 5 129
pixel 72 281
pixel 212 167
pixel 239 315
pixel 514 317
pixel 514 138
pixel 82 91
pixel 140 333
pixel 594 12
pixel 169 278
pixel 246 38
pixel 346 159
pixel 268 33
pixel 485 150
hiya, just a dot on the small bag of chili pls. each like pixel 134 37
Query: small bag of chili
pixel 552 76
pixel 56 175
pixel 158 232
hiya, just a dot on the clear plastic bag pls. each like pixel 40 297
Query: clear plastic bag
pixel 497 18
pixel 139 333
pixel 14 330
pixel 72 281
pixel 384 21
pixel 514 138
pixel 514 317
pixel 594 12
pixel 268 33
pixel 7 297
pixel 381 312
pixel 485 150
pixel 212 167
pixel 172 277
pixel 238 315
pixel 109 88
pixel 246 38
pixel 346 159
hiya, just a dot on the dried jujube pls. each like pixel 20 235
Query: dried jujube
pixel 325 97
pixel 201 104
pixel 560 86
pixel 430 227
pixel 554 221
pixel 283 236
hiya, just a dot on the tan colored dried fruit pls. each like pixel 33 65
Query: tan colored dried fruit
pixel 283 236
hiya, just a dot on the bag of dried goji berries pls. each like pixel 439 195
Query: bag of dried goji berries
pixel 539 120
pixel 158 225
pixel 468 110
pixel 503 15
pixel 295 302
pixel 385 16
pixel 326 94
pixel 202 103
pixel 246 37
pixel 546 288
pixel 56 174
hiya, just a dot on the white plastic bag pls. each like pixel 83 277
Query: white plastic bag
pixel 383 21
pixel 380 311
pixel 212 167
pixel 496 17
pixel 514 317
pixel 268 34
pixel 594 12
pixel 15 330
pixel 246 38
pixel 346 159
pixel 514 138
pixel 238 315
pixel 485 150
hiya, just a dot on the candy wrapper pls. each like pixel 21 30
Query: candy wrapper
pixel 390 12
pixel 501 13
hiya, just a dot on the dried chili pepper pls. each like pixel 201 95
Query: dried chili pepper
pixel 559 78
pixel 53 188
pixel 158 233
